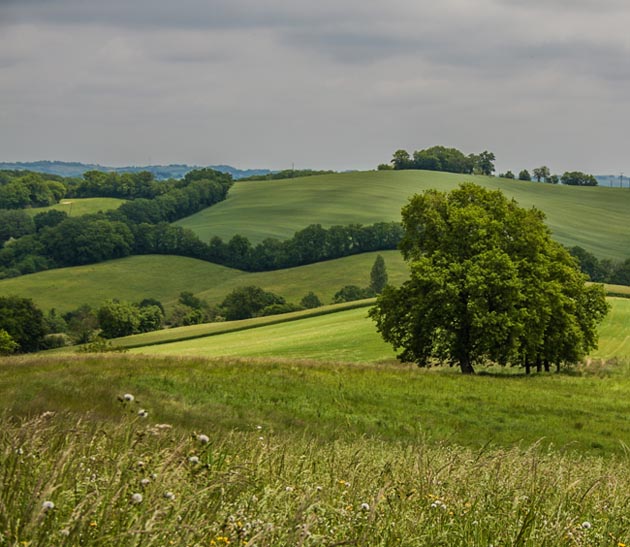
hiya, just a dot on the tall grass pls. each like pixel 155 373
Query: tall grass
pixel 68 481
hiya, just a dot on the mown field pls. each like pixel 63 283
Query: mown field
pixel 75 207
pixel 594 218
pixel 165 277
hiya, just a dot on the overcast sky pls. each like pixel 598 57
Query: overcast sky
pixel 337 84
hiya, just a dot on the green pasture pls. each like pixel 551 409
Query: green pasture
pixel 594 218
pixel 586 412
pixel 164 277
pixel 348 336
pixel 75 207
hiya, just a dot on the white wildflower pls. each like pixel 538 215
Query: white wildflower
pixel 128 397
pixel 203 439
pixel 169 495
pixel 145 481
pixel 194 459
pixel 136 498
pixel 48 505
pixel 365 507
pixel 289 489
pixel 586 525
pixel 143 413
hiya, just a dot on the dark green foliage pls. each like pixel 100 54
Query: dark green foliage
pixel 542 173
pixel 14 223
pixel 524 175
pixel 378 275
pixel 23 321
pixel 487 283
pixel 441 158
pixel 311 300
pixel 21 189
pixel 577 178
pixel 82 323
pixel 288 174
pixel 87 239
pixel 246 302
pixel 49 219
pixel 508 175
pixel 151 302
pixel 277 309
pixel 349 293
pixel 117 318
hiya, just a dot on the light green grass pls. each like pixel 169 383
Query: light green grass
pixel 348 336
pixel 75 207
pixel 594 218
pixel 165 277
pixel 330 401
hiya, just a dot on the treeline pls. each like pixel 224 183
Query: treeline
pixel 288 174
pixel 441 158
pixel 604 270
pixel 543 174
pixel 51 239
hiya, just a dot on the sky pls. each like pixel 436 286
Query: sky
pixel 326 84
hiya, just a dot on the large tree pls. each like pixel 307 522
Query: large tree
pixel 23 321
pixel 487 284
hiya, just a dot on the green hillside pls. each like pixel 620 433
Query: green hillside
pixel 164 277
pixel 594 218
pixel 348 336
pixel 80 206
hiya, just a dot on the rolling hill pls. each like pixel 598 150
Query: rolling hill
pixel 164 277
pixel 592 217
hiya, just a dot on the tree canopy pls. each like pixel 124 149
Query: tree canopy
pixel 487 284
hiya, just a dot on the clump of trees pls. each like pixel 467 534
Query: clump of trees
pixel 441 158
pixel 288 174
pixel 487 284
pixel 543 174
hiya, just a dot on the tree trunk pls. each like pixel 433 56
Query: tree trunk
pixel 528 367
pixel 466 366
pixel 538 365
pixel 547 365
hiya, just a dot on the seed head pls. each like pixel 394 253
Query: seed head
pixel 48 505
pixel 136 498
pixel 203 439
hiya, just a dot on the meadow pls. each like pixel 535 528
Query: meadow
pixel 274 452
pixel 75 207
pixel 594 218
pixel 165 277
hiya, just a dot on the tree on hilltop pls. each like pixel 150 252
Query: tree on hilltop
pixel 487 284
pixel 378 275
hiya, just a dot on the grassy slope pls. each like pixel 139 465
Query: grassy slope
pixel 80 206
pixel 348 336
pixel 327 401
pixel 594 218
pixel 164 277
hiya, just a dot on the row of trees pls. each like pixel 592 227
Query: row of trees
pixel 441 158
pixel 543 174
pixel 487 284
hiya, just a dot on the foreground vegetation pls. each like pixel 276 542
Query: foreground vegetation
pixel 67 481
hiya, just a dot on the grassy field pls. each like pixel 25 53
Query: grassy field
pixel 80 206
pixel 143 484
pixel 348 336
pixel 164 277
pixel 594 218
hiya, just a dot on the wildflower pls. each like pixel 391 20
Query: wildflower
pixel 259 427
pixel 48 505
pixel 128 397
pixel 261 438
pixel 145 481
pixel 136 498
pixel 319 488
pixel 365 507
pixel 586 525
pixel 64 532
pixel 169 495
pixel 203 439
pixel 143 413
pixel 289 489
pixel 194 460
pixel 93 524
pixel 140 463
